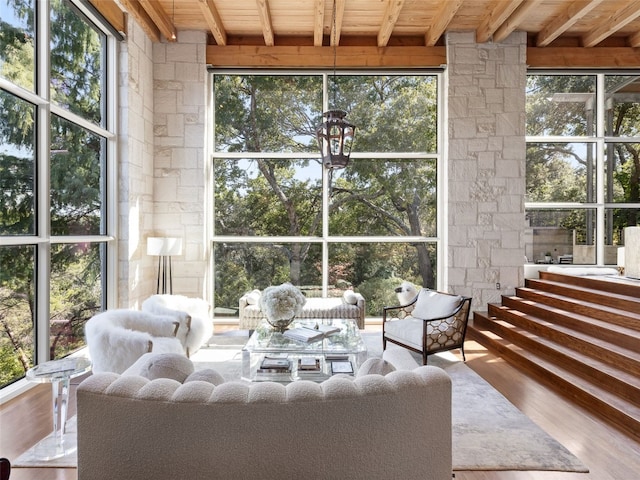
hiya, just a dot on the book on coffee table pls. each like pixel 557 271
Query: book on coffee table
pixel 311 334
pixel 309 364
pixel 275 365
pixel 341 366
pixel 303 334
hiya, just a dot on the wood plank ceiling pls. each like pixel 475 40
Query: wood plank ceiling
pixel 389 33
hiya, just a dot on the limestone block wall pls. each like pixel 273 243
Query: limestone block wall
pixel 486 165
pixel 135 167
pixel 179 129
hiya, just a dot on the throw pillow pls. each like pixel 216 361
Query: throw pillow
pixel 431 304
pixel 253 297
pixel 375 365
pixel 350 297
pixel 167 365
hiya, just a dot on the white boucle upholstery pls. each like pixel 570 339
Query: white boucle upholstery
pixel 368 427
pixel 192 314
pixel 351 305
pixel 117 338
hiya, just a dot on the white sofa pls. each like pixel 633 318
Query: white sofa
pixel 351 305
pixel 368 427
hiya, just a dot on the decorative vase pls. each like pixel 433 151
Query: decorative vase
pixel 280 325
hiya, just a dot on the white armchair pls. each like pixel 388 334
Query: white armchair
pixel 117 338
pixel 196 327
pixel 433 322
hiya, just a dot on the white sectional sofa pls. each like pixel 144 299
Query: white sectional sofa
pixel 350 305
pixel 369 427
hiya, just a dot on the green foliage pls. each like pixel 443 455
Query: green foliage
pixel 565 105
pixel 275 197
pixel 379 293
pixel 76 179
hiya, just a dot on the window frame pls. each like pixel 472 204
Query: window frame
pixel 600 140
pixel 326 240
pixel 41 239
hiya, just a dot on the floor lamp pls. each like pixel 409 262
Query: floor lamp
pixel 164 248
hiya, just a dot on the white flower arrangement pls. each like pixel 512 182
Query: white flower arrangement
pixel 282 302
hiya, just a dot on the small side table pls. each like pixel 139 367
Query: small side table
pixel 58 373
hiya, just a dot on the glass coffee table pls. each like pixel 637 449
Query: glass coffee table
pixel 272 356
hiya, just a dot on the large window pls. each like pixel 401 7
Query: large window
pixel 280 216
pixel 583 166
pixel 56 145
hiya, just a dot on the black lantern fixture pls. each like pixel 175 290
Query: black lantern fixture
pixel 335 139
pixel 335 135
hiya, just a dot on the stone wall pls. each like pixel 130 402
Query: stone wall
pixel 161 172
pixel 486 166
pixel 136 273
pixel 180 108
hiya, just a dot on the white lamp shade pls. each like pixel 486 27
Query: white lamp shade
pixel 164 246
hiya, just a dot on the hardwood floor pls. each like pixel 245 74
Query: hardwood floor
pixel 609 454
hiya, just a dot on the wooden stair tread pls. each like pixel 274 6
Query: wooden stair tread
pixel 601 394
pixel 590 339
pixel 610 298
pixel 607 283
pixel 580 303
pixel 578 335
pixel 604 324
pixel 574 355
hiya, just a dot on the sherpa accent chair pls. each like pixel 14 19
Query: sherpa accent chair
pixel 117 338
pixel 432 322
pixel 196 326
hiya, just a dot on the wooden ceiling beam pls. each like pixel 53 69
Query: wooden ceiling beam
pixel 562 22
pixel 615 23
pixel 443 18
pixel 323 57
pixel 389 19
pixel 634 40
pixel 578 57
pixel 212 17
pixel 514 20
pixel 137 11
pixel 265 22
pixel 160 18
pixel 499 12
pixel 318 23
pixel 112 13
pixel 336 25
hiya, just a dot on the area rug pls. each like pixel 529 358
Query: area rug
pixel 489 433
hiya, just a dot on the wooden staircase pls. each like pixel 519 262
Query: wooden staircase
pixel 579 335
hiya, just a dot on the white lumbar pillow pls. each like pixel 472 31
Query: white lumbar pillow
pixel 432 304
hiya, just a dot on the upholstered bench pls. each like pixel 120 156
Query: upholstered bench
pixel 351 305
